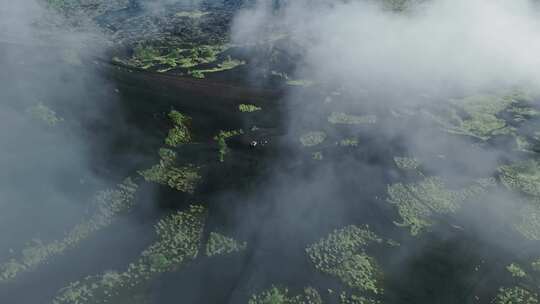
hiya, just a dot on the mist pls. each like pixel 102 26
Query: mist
pixel 379 59
pixel 69 127
pixel 429 49
pixel 376 59
pixel 59 118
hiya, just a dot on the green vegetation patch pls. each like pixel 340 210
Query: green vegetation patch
pixel 179 134
pixel 108 204
pixel 167 58
pixel 406 163
pixel 343 118
pixel 526 290
pixel 523 177
pixel 345 298
pixel 516 270
pixel 343 254
pixel 522 113
pixel 165 173
pixel 276 295
pixel 221 139
pixel 419 202
pixel 292 82
pixel 219 244
pixel 248 108
pixel 179 238
pixel 529 221
pixel 516 295
pixel 300 82
pixel 478 115
pixel 227 64
pixel 313 138
pixel 44 114
pixel 523 144
pixel 182 178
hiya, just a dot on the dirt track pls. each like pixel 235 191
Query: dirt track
pixel 202 87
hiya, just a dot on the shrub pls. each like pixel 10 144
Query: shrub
pixel 276 295
pixel 516 295
pixel 248 108
pixel 221 140
pixel 343 254
pixel 179 237
pixel 108 204
pixel 219 244
pixel 179 134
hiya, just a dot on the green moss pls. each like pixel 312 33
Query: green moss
pixel 277 295
pixel 343 118
pixel 179 134
pixel 178 118
pixel 529 221
pixel 182 178
pixel 300 82
pixel 312 296
pixel 477 116
pixel 166 58
pixel 227 64
pixel 219 244
pixel 44 114
pixel 248 108
pixel 179 238
pixel 516 270
pixel 108 204
pixel 221 139
pixel 197 74
pixel 522 144
pixel 146 55
pixel 165 173
pixel 345 298
pixel 522 177
pixel 343 255
pixel 292 82
pixel 418 203
pixel 312 138
pixel 406 163
pixel 516 295
pixel 522 113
